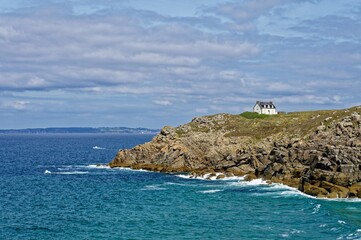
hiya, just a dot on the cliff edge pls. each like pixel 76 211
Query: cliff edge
pixel 318 152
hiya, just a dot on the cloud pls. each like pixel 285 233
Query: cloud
pixel 15 105
pixel 163 102
pixel 58 52
pixel 111 58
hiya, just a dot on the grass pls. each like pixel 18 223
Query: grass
pixel 259 126
pixel 254 115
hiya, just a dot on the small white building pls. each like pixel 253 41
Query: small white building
pixel 265 108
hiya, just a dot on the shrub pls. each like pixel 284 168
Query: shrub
pixel 253 115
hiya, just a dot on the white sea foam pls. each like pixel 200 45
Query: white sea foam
pixel 211 191
pixel 316 209
pixel 341 199
pixel 65 173
pixel 63 168
pixel 234 181
pixel 98 166
pixel 341 222
pixel 255 182
pixel 71 173
pixel 153 188
pixel 98 148
pixel 355 235
pixel 210 176
pixel 178 184
pixel 129 169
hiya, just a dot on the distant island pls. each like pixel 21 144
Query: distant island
pixel 115 130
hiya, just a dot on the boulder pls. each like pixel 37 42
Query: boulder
pixel 314 190
pixel 250 177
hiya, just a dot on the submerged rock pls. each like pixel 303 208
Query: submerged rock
pixel 291 149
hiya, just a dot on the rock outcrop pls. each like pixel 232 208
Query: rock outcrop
pixel 317 152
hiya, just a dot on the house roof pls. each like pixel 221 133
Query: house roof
pixel 266 104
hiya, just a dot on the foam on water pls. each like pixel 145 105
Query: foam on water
pixel 133 170
pixel 70 173
pixel 355 200
pixel 355 235
pixel 98 166
pixel 179 184
pixel 98 148
pixel 153 188
pixel 211 191
pixel 316 209
pixel 210 176
pixel 255 182
pixel 275 189
pixel 66 173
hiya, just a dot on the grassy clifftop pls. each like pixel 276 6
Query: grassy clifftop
pixel 295 124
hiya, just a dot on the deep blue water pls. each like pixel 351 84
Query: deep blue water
pixel 50 188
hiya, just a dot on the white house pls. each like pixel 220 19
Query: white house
pixel 265 108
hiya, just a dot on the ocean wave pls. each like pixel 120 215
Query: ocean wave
pixel 98 148
pixel 179 184
pixel 131 169
pixel 70 173
pixel 316 209
pixel 98 166
pixel 354 235
pixel 105 166
pixel 349 200
pixel 153 188
pixel 254 182
pixel 211 191
pixel 66 173
pixel 210 176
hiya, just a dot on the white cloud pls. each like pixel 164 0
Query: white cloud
pixel 223 58
pixel 163 102
pixel 16 105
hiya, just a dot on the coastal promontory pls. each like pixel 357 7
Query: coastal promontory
pixel 317 152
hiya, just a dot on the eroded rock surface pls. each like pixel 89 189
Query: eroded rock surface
pixel 317 152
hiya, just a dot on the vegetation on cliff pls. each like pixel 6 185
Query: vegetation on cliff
pixel 318 152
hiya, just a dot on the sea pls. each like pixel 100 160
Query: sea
pixel 56 186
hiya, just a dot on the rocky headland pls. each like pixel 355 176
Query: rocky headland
pixel 318 152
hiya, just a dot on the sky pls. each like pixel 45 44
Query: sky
pixel 141 63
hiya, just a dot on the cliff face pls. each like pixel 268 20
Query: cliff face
pixel 317 152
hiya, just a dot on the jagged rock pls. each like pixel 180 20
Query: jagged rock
pixel 314 190
pixel 355 190
pixel 236 171
pixel 319 153
pixel 221 176
pixel 250 177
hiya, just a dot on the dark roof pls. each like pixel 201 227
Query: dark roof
pixel 266 104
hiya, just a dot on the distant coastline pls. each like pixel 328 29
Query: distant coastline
pixel 70 130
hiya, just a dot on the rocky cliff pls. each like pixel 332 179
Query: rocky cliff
pixel 317 152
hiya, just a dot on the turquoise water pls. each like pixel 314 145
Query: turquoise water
pixel 50 188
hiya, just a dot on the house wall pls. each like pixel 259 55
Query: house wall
pixel 269 111
pixel 257 109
